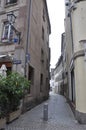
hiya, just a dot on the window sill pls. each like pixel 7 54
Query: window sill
pixel 9 5
pixel 5 43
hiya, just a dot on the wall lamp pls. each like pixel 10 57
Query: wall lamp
pixel 12 30
pixel 11 17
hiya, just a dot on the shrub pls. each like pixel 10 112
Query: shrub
pixel 3 97
pixel 13 89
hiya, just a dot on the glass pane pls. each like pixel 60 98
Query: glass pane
pixel 10 1
pixel 5 32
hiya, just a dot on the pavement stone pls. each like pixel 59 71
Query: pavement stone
pixel 60 117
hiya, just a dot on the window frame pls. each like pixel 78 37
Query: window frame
pixel 11 35
pixel 42 56
pixel 44 17
pixel 43 33
pixel 6 32
pixel 10 3
pixel 41 82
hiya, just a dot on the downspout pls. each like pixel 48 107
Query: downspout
pixel 28 38
pixel 26 49
pixel 71 32
pixel 71 27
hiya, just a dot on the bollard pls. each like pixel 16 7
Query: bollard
pixel 45 112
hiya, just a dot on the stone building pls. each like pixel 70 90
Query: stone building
pixel 58 76
pixel 64 64
pixel 75 34
pixel 52 87
pixel 24 43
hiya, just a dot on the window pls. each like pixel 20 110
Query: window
pixel 10 1
pixel 7 34
pixel 31 74
pixel 42 33
pixel 47 64
pixel 44 15
pixel 72 86
pixel 41 82
pixel 31 77
pixel 42 56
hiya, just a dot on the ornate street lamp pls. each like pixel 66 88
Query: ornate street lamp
pixel 11 17
pixel 13 33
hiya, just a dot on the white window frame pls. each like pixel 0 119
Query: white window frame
pixel 10 2
pixel 7 29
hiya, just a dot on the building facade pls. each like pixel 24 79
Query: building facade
pixel 75 34
pixel 52 86
pixel 58 76
pixel 24 43
pixel 64 65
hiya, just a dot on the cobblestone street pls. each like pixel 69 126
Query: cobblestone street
pixel 60 117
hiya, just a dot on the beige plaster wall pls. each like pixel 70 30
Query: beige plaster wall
pixel 80 83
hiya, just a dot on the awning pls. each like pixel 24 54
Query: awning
pixel 1 56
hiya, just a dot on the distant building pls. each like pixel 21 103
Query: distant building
pixel 58 77
pixel 24 44
pixel 52 87
pixel 64 65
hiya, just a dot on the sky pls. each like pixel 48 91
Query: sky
pixel 57 15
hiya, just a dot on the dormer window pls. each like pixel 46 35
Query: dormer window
pixel 11 2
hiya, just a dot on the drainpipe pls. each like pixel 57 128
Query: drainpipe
pixel 28 38
pixel 71 32
pixel 70 7
pixel 26 49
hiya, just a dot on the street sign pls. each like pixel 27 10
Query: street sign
pixel 16 61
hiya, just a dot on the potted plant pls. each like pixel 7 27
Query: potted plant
pixel 17 86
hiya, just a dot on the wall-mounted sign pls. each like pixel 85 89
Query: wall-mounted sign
pixel 16 61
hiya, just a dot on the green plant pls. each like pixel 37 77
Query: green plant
pixel 3 104
pixel 3 97
pixel 17 85
pixel 12 90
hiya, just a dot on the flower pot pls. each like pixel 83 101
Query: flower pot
pixel 2 123
pixel 13 115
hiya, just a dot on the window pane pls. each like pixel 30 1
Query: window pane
pixel 7 32
pixel 11 1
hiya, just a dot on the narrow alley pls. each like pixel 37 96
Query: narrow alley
pixel 60 117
